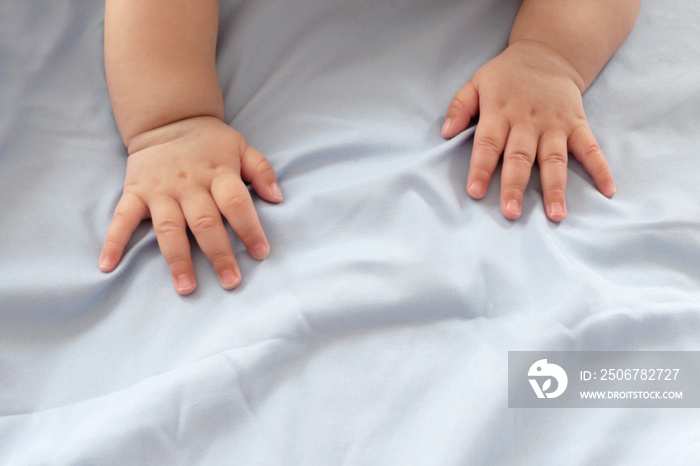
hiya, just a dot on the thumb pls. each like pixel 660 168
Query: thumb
pixel 464 107
pixel 256 170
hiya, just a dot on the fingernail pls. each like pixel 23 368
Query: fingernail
pixel 276 192
pixel 610 189
pixel 476 189
pixel 556 210
pixel 229 279
pixel 261 251
pixel 184 284
pixel 513 207
pixel 105 263
pixel 447 128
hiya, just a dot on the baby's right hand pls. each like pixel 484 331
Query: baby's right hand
pixel 188 173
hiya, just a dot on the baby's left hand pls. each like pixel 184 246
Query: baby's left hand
pixel 530 106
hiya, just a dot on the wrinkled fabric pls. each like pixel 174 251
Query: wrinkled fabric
pixel 378 329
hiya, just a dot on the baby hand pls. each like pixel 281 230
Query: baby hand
pixel 188 173
pixel 529 100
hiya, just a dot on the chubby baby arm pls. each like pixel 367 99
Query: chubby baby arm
pixel 186 167
pixel 529 100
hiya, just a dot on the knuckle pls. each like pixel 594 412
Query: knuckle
pixel 121 216
pixel 591 150
pixel 220 258
pixel 263 168
pixel 456 106
pixel 166 227
pixel 205 222
pixel 178 263
pixel 480 173
pixel 236 202
pixel 512 188
pixel 555 158
pixel 488 143
pixel 512 191
pixel 520 156
pixel 113 243
pixel 600 170
pixel 556 192
pixel 249 235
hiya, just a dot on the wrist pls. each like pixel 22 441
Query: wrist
pixel 555 60
pixel 145 107
pixel 167 132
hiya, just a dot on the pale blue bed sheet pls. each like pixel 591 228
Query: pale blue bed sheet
pixel 378 330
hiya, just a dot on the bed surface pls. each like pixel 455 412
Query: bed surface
pixel 378 329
